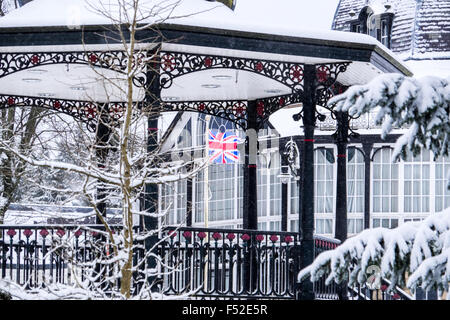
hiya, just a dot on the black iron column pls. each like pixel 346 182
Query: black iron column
pixel 367 148
pixel 101 144
pixel 341 138
pixel 250 212
pixel 101 149
pixel 150 223
pixel 284 194
pixel 306 222
pixel 189 202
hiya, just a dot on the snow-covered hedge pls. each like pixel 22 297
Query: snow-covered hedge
pixel 412 255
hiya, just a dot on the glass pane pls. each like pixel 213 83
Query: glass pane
pixel 394 223
pixel 425 171
pixel 351 225
pixel 376 188
pixel 328 226
pixel 416 172
pixel 358 225
pixel 407 170
pixel 376 171
pixel 376 223
pixel 376 204
pixel 385 204
pixel 394 202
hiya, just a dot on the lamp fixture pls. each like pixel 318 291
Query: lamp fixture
pixel 171 98
pixel 37 71
pixel 222 77
pixel 284 176
pixel 272 91
pixel 78 88
pixel 31 80
pixel 46 95
pixel 211 86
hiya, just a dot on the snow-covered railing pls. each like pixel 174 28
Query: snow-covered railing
pixel 379 293
pixel 38 255
pixel 200 262
pixel 321 290
pixel 231 263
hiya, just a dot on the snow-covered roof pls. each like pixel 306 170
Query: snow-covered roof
pixel 298 18
pixel 285 14
pixel 302 20
pixel 420 28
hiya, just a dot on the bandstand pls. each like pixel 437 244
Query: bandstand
pixel 262 70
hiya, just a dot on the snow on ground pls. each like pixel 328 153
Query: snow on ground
pixel 438 68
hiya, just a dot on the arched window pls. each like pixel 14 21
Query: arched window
pixel 324 190
pixel 355 181
pixel 269 190
pixel 224 181
pixel 324 180
pixel 442 200
pixel 384 182
pixel 173 202
pixel 417 183
pixel 355 190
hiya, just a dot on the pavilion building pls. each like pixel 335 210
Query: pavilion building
pixel 379 193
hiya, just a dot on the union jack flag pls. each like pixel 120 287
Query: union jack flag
pixel 223 147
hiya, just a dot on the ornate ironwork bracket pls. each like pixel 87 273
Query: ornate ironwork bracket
pixel 235 110
pixel 266 107
pixel 175 64
pixel 326 86
pixel 113 60
pixel 84 111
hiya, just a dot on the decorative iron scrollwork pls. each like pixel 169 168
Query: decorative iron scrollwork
pixel 326 78
pixel 85 111
pixel 234 111
pixel 266 107
pixel 326 86
pixel 175 64
pixel 113 60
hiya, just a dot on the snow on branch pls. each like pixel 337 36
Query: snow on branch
pixel 415 254
pixel 421 105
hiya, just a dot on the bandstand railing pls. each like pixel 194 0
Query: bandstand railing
pixel 197 262
pixel 321 290
pixel 230 263
pixel 37 255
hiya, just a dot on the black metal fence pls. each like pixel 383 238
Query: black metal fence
pixel 35 256
pixel 379 293
pixel 228 263
pixel 322 291
pixel 196 262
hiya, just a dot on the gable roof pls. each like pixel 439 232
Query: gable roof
pixel 421 29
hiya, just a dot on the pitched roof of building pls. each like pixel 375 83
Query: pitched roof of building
pixel 421 29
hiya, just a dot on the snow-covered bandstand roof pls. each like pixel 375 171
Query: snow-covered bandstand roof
pixel 285 32
pixel 287 21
